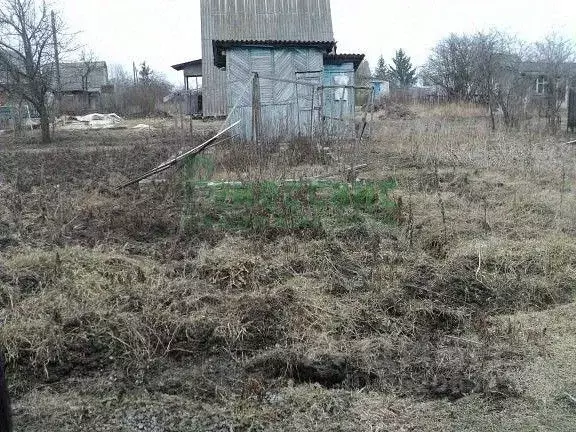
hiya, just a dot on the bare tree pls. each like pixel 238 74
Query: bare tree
pixel 87 65
pixel 119 77
pixel 363 77
pixel 27 54
pixel 497 79
pixel 139 98
pixel 450 66
pixel 485 68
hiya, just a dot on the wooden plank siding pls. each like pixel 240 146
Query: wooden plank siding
pixel 286 20
pixel 285 106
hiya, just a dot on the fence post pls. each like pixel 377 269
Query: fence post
pixel 256 109
pixel 312 113
pixel 191 112
pixel 572 110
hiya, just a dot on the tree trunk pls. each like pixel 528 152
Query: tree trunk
pixel 492 115
pixel 45 125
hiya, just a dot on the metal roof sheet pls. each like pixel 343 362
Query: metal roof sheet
pixel 356 59
pixel 219 46
pixel 188 64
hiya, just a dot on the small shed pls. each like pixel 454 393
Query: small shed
pixel 381 88
pixel 192 94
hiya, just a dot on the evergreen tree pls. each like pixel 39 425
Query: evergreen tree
pixel 146 74
pixel 381 71
pixel 402 73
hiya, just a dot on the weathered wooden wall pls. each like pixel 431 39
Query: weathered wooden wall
pixel 294 20
pixel 285 106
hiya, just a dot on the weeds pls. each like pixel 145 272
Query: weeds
pixel 248 298
pixel 287 207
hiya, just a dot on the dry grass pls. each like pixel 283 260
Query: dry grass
pixel 457 316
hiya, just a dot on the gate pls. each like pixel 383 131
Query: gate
pixel 308 101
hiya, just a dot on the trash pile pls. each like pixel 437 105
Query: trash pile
pixel 93 121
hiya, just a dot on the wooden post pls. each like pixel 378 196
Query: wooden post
pixel 572 110
pixel 312 113
pixel 297 105
pixel 356 149
pixel 190 96
pixel 322 111
pixel 372 105
pixel 182 112
pixel 175 102
pixel 58 79
pixel 256 109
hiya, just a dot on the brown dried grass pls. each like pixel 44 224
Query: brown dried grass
pixel 458 301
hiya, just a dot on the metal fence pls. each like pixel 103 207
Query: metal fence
pixel 312 109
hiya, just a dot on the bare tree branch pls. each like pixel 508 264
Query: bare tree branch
pixel 27 54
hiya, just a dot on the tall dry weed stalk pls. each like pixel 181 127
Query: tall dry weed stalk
pixel 441 204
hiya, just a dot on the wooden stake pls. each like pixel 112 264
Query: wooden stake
pixel 312 113
pixel 256 109
pixel 166 165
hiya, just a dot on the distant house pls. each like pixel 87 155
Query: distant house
pixel 381 88
pixel 191 69
pixel 540 80
pixel 82 86
pixel 303 84
pixel 192 94
pixel 3 81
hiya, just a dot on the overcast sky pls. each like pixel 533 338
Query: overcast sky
pixel 167 32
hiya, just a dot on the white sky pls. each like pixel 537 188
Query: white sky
pixel 167 32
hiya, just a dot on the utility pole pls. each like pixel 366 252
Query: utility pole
pixel 57 60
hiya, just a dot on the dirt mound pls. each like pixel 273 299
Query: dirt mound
pixel 395 111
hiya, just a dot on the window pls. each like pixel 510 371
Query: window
pixel 541 84
pixel 341 94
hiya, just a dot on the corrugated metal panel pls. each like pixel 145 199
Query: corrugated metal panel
pixel 301 20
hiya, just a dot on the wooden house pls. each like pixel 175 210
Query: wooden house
pixel 540 79
pixel 82 86
pixel 302 85
pixel 191 96
pixel 255 20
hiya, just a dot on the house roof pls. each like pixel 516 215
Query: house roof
pixel 220 46
pixel 286 20
pixel 182 66
pixel 533 67
pixel 71 76
pixel 338 59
